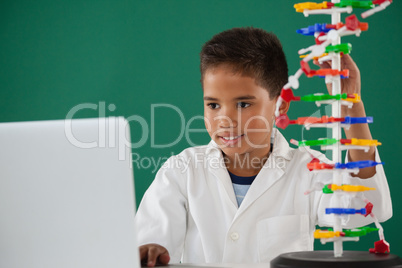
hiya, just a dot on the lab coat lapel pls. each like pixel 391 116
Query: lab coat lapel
pixel 273 170
pixel 223 175
pixel 267 177
pixel 218 169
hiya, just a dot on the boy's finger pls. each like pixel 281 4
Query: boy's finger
pixel 153 254
pixel 164 258
pixel 324 65
pixel 143 252
pixel 348 62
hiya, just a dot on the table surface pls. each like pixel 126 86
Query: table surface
pixel 218 265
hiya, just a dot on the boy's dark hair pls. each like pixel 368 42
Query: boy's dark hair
pixel 250 51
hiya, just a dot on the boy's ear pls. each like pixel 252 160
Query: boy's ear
pixel 283 109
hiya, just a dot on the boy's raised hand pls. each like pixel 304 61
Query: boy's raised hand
pixel 352 85
pixel 153 254
pixel 349 85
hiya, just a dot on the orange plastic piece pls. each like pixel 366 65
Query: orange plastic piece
pixel 325 72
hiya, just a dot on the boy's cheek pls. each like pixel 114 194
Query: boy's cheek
pixel 208 123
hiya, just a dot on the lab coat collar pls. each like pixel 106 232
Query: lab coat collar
pixel 281 146
pixel 267 177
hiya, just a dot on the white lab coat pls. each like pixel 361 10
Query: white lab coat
pixel 191 208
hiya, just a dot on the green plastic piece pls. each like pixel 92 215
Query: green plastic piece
pixel 326 190
pixel 318 142
pixel 313 97
pixel 361 231
pixel 346 48
pixel 355 4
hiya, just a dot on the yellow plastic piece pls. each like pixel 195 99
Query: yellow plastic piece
pixel 300 7
pixel 325 234
pixel 355 100
pixel 361 142
pixel 351 188
pixel 314 58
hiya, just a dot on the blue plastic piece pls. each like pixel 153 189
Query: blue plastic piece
pixel 357 120
pixel 312 29
pixel 358 164
pixel 345 211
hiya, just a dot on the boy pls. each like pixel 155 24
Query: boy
pixel 197 209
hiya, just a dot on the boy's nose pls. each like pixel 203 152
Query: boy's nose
pixel 226 121
pixel 227 124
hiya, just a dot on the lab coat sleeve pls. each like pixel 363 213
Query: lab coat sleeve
pixel 162 214
pixel 380 198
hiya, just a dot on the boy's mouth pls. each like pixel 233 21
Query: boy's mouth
pixel 231 140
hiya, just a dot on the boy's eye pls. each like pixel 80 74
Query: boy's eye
pixel 213 105
pixel 243 104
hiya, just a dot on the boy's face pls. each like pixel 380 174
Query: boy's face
pixel 238 113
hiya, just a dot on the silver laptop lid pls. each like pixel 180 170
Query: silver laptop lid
pixel 67 194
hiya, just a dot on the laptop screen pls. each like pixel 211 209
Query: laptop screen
pixel 67 194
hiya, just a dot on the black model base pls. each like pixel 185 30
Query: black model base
pixel 326 259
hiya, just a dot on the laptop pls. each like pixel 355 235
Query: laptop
pixel 67 194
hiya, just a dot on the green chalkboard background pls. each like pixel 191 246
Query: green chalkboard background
pixel 138 59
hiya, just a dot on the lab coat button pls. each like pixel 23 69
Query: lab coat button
pixel 234 236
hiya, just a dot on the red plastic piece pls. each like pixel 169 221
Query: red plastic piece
pixel 325 119
pixel 380 246
pixel 318 42
pixel 362 26
pixel 321 72
pixel 346 141
pixel 331 26
pixel 287 95
pixel 314 160
pixel 330 5
pixel 305 67
pixel 369 208
pixel 316 120
pixel 305 120
pixel 379 2
pixel 352 23
pixel 314 166
pixel 282 121
pixel 335 26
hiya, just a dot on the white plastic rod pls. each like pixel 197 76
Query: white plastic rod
pixel 336 133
